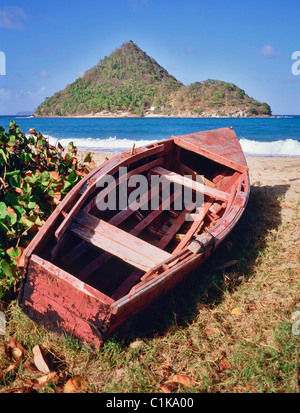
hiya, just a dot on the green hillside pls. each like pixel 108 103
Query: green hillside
pixel 131 83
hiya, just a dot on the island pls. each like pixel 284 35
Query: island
pixel 129 83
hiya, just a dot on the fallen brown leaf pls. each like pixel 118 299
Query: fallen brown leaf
pixel 185 381
pixel 39 359
pixel 14 350
pixel 76 384
pixel 24 389
pixel 227 264
pixel 191 347
pixel 167 387
pixel 224 364
pixel 236 311
pixel 30 368
pixel 12 367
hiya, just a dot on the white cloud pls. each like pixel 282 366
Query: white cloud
pixel 268 52
pixel 12 17
pixel 5 94
pixel 32 94
pixel 42 73
pixel 189 50
pixel 135 4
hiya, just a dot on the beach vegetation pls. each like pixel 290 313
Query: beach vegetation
pixel 34 177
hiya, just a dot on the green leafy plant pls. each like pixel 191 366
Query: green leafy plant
pixel 34 178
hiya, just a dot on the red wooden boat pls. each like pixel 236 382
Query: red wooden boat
pixel 89 269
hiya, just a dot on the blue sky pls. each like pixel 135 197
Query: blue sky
pixel 49 44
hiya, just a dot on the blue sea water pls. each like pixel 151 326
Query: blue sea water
pixel 277 136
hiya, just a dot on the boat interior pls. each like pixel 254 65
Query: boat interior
pixel 113 250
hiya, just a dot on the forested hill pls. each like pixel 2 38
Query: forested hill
pixel 130 83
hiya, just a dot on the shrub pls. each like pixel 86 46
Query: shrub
pixel 253 111
pixel 34 178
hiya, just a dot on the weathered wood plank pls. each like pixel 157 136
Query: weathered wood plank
pixel 120 180
pixel 194 227
pixel 168 236
pixel 97 178
pixel 117 242
pixel 197 186
pixel 56 298
pixel 116 220
pixel 101 259
pixel 127 284
pixel 186 170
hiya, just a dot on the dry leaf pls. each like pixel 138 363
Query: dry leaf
pixel 224 364
pixel 183 380
pixel 12 367
pixel 167 387
pixel 136 344
pixel 76 384
pixel 24 389
pixel 14 350
pixel 236 311
pixel 30 368
pixel 227 264
pixel 39 360
pixel 17 354
pixel 43 380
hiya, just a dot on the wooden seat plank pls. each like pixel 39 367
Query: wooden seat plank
pixel 197 186
pixel 131 249
pixel 101 259
pixel 116 220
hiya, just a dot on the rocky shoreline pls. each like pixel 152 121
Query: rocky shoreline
pixel 148 114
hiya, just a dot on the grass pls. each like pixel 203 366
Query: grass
pixel 229 330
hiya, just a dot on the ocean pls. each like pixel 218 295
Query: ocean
pixel 277 136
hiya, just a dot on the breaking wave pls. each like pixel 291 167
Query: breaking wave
pixel 111 144
pixel 286 147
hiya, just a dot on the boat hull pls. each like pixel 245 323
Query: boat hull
pixel 60 300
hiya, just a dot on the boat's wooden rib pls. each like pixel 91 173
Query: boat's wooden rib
pixel 164 241
pixel 230 182
pixel 186 170
pixel 107 237
pixel 195 226
pixel 127 284
pixel 116 220
pixel 184 181
pixel 177 224
pixel 97 180
pixel 105 256
pixel 119 181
